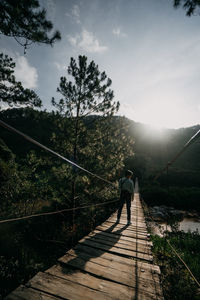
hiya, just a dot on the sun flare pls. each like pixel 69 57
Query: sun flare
pixel 163 114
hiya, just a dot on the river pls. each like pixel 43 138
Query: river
pixel 187 224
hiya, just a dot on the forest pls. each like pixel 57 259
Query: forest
pixel 133 145
pixel 34 181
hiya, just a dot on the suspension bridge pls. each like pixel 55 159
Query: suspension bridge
pixel 113 262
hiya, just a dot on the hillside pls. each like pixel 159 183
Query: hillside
pixel 152 148
pixel 32 181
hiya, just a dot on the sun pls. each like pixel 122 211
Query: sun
pixel 160 114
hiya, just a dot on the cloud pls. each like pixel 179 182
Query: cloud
pixel 25 73
pixel 73 39
pixel 117 32
pixel 51 10
pixel 74 14
pixel 87 42
pixel 59 66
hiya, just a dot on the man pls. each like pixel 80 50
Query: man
pixel 126 188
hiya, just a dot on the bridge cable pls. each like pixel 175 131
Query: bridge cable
pixel 56 212
pixel 174 250
pixel 5 125
pixel 191 140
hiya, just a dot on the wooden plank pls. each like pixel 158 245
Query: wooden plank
pixel 107 272
pixel 119 230
pixel 97 253
pixel 125 232
pixel 134 215
pixel 124 238
pixel 116 250
pixel 134 222
pixel 122 227
pixel 118 239
pixel 131 227
pixel 116 243
pixel 117 262
pixel 111 289
pixel 25 293
pixel 124 219
pixel 65 289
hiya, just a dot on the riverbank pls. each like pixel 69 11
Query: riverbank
pixel 163 213
pixel 176 281
pixel 162 218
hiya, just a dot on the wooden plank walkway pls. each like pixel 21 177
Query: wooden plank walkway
pixel 112 262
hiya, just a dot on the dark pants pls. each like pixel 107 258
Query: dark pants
pixel 125 197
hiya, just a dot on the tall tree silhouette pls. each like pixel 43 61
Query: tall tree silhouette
pixel 88 93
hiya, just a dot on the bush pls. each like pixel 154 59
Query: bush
pixel 176 281
pixel 178 197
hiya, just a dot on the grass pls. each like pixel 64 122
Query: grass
pixel 176 281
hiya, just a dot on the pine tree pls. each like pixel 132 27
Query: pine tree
pixel 26 22
pixel 88 128
pixel 12 92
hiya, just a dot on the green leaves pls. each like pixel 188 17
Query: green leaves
pixel 91 138
pixel 12 92
pixel 88 92
pixel 26 22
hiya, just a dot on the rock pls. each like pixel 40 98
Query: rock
pixel 158 215
pixel 163 212
pixel 176 213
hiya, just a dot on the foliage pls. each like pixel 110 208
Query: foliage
pixel 88 93
pixel 176 280
pixel 24 244
pixel 191 6
pixel 11 91
pixel 9 178
pixel 26 22
pixel 179 197
pixel 92 140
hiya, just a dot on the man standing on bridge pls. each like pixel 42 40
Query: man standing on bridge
pixel 126 188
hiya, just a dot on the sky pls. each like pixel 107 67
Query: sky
pixel 150 50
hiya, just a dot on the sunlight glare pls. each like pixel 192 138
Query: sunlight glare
pixel 162 114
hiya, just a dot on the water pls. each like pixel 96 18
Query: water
pixel 187 224
pixel 190 224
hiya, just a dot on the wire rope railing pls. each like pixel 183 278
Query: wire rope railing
pixel 56 212
pixel 33 141
pixel 187 144
pixel 172 247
